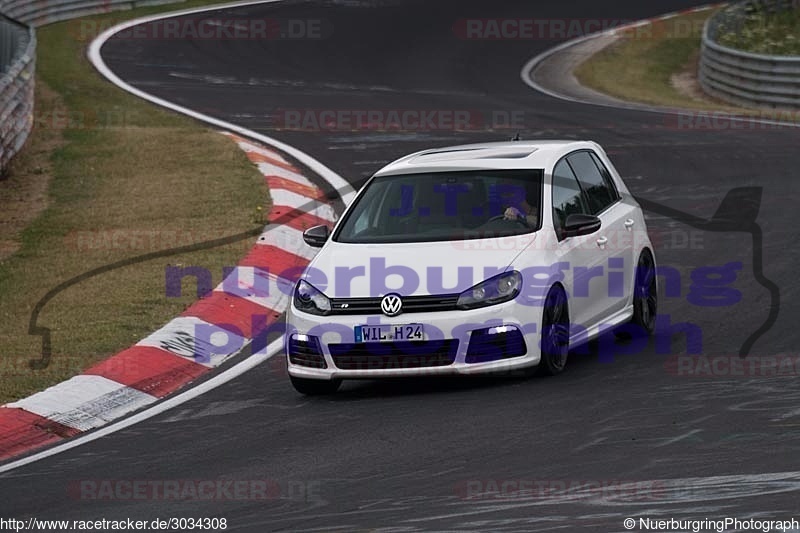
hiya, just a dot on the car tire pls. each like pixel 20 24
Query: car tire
pixel 555 333
pixel 645 300
pixel 315 387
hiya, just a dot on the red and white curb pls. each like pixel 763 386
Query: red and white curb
pixel 205 335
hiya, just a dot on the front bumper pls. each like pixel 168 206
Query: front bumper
pixel 449 333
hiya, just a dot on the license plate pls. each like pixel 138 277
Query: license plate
pixel 387 333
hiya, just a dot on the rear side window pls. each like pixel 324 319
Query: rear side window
pixel 606 175
pixel 599 191
pixel 567 196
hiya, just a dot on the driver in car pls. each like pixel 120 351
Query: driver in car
pixel 525 210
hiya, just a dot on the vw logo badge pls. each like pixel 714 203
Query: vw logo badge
pixel 391 305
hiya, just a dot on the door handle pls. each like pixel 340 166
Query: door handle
pixel 601 242
pixel 629 224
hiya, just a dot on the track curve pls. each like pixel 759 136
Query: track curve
pixel 417 455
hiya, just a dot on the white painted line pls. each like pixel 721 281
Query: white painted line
pixel 193 338
pixel 220 24
pixel 226 376
pixel 85 402
pixel 678 438
pixel 346 191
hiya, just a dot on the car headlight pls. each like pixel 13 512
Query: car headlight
pixel 493 291
pixel 309 299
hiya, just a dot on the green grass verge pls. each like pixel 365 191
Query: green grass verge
pixel 124 178
pixel 766 33
pixel 640 66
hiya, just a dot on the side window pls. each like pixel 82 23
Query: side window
pixel 606 175
pixel 598 190
pixel 567 195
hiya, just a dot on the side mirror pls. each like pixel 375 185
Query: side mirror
pixel 316 236
pixel 577 225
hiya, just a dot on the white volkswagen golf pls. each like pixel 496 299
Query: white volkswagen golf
pixel 471 259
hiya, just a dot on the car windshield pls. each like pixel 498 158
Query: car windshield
pixel 445 206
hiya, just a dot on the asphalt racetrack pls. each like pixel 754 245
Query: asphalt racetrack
pixel 616 436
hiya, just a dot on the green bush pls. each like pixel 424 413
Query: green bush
pixel 766 33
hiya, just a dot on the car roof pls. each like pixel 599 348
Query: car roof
pixel 494 155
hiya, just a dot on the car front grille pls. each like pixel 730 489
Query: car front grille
pixel 390 355
pixel 484 346
pixel 306 352
pixel 411 304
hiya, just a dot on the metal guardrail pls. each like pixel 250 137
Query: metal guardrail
pixel 40 12
pixel 17 65
pixel 738 77
pixel 18 18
